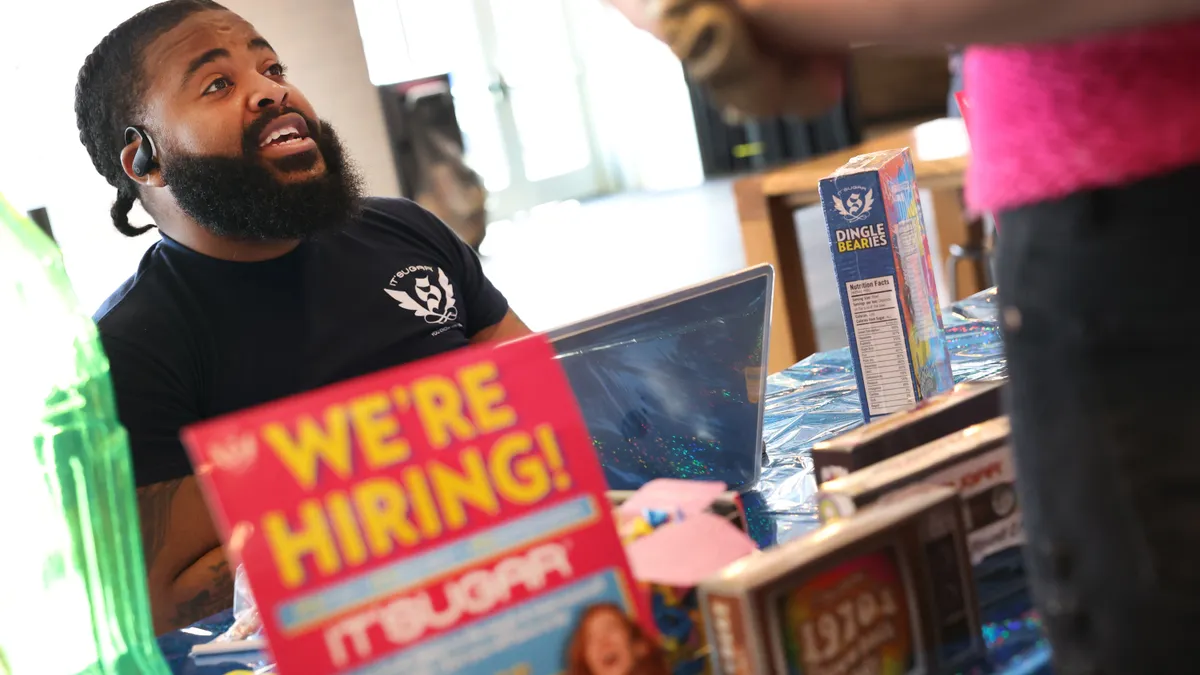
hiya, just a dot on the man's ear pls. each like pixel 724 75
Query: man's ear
pixel 152 177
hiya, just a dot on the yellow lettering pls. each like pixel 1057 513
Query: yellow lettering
pixel 519 477
pixel 376 430
pixel 841 247
pixel 345 526
pixel 550 450
pixel 485 397
pixel 289 547
pixel 312 444
pixel 439 405
pixel 382 509
pixel 420 500
pixel 400 398
pixel 454 489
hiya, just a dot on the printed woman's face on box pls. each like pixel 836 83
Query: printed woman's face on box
pixel 609 647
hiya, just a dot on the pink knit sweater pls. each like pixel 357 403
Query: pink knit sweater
pixel 1054 119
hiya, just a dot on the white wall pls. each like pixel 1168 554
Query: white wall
pixel 42 162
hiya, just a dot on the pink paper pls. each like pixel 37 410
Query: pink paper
pixel 686 552
pixel 687 497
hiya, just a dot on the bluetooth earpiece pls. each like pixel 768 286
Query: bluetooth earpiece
pixel 144 160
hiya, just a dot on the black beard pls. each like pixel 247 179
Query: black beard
pixel 239 198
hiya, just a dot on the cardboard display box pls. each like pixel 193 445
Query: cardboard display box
pixel 977 462
pixel 889 591
pixel 961 407
pixel 660 521
pixel 401 534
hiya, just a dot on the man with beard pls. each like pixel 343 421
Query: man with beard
pixel 273 275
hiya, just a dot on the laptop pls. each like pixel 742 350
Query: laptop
pixel 673 387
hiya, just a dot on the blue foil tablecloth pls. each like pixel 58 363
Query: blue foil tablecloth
pixel 817 399
pixel 813 400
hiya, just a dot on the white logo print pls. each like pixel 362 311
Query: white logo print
pixel 856 207
pixel 235 454
pixel 434 303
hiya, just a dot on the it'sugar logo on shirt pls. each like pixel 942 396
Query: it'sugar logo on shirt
pixel 434 302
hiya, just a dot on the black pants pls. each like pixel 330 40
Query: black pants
pixel 1100 297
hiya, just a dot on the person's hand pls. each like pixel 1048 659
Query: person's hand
pixel 724 53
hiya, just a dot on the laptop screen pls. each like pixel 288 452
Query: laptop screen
pixel 673 387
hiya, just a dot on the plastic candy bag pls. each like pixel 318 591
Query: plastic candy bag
pixel 247 622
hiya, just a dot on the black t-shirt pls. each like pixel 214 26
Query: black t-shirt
pixel 191 337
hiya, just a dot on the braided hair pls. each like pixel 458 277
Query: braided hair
pixel 109 91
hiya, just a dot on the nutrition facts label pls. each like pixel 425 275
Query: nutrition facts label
pixel 879 334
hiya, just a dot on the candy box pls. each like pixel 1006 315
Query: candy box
pixel 889 591
pixel 670 563
pixel 885 277
pixel 931 419
pixel 657 523
pixel 444 516
pixel 978 463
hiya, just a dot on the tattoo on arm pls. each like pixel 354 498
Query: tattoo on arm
pixel 185 585
pixel 216 597
pixel 154 511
